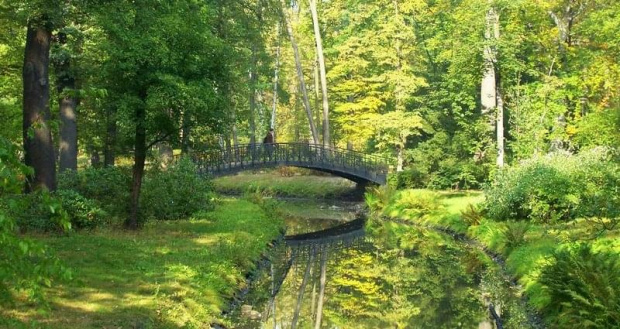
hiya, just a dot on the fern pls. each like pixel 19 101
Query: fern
pixel 584 289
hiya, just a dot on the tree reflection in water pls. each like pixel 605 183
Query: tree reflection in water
pixel 394 276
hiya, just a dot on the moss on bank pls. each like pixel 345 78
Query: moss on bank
pixel 168 275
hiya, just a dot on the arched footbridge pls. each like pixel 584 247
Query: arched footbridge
pixel 356 166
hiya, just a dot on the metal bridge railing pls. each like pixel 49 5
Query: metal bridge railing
pixel 248 156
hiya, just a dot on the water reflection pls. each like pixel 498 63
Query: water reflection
pixel 390 276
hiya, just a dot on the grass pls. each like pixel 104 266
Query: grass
pixel 168 275
pixel 307 186
pixel 526 251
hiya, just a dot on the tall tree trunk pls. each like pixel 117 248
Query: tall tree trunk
pixel 253 83
pixel 68 112
pixel 300 296
pixel 488 90
pixel 322 283
pixel 317 94
pixel 37 137
pixel 138 166
pixel 500 127
pixel 491 97
pixel 275 81
pixel 322 71
pixel 300 74
pixel 400 158
pixel 109 152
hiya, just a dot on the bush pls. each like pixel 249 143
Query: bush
pixel 110 187
pixel 82 212
pixel 25 265
pixel 175 193
pixel 515 235
pixel 584 289
pixel 414 204
pixel 37 211
pixel 409 178
pixel 556 187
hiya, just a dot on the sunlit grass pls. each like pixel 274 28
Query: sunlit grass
pixel 307 186
pixel 168 275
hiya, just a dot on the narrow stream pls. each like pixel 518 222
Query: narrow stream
pixel 335 270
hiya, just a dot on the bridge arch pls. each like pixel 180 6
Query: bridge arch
pixel 356 166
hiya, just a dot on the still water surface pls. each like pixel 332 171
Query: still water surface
pixel 335 270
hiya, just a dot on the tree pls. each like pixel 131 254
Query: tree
pixel 491 97
pixel 38 146
pixel 393 129
pixel 321 60
pixel 300 74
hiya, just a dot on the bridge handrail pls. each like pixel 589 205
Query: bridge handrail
pixel 220 160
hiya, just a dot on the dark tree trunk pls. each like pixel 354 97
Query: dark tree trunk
pixel 185 132
pixel 138 167
pixel 37 137
pixel 109 152
pixel 68 112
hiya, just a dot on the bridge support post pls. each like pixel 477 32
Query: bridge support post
pixel 360 189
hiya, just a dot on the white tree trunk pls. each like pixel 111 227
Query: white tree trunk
pixel 322 71
pixel 300 74
pixel 490 90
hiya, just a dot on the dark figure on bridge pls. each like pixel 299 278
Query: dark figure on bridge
pixel 268 141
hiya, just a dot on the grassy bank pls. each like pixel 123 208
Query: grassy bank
pixel 307 186
pixel 526 247
pixel 168 275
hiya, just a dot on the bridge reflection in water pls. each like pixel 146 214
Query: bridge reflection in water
pixel 356 166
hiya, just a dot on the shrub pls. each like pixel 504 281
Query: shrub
pixel 377 198
pixel 38 211
pixel 471 215
pixel 82 212
pixel 556 187
pixel 414 204
pixel 515 235
pixel 584 288
pixel 25 265
pixel 175 193
pixel 110 187
pixel 409 178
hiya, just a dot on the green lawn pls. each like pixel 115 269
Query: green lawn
pixel 168 275
pixel 307 186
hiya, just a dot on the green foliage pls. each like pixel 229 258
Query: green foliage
pixel 377 198
pixel 471 215
pixel 26 266
pixel 556 187
pixel 40 211
pixel 110 187
pixel 174 193
pixel 417 205
pixel 82 212
pixel 583 287
pixel 515 235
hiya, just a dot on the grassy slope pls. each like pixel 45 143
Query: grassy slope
pixel 296 186
pixel 525 260
pixel 168 275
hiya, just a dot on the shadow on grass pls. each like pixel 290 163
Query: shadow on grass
pixel 169 275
